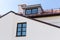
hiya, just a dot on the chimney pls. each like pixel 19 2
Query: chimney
pixel 20 8
pixel 23 5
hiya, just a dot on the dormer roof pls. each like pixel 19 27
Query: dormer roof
pixel 31 6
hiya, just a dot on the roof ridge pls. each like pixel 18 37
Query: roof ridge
pixel 7 13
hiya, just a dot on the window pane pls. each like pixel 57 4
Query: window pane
pixel 28 11
pixel 19 33
pixel 34 11
pixel 24 29
pixel 19 29
pixel 24 25
pixel 19 25
pixel 23 33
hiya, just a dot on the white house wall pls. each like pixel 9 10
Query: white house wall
pixel 35 30
pixel 6 27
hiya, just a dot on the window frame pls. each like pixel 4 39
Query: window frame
pixel 37 11
pixel 31 11
pixel 21 29
pixel 28 13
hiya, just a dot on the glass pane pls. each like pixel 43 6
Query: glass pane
pixel 23 29
pixel 24 25
pixel 28 11
pixel 19 25
pixel 19 29
pixel 34 11
pixel 19 33
pixel 23 33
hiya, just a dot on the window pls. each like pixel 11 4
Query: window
pixel 28 11
pixel 34 11
pixel 31 11
pixel 21 29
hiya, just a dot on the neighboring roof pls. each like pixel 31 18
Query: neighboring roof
pixel 31 19
pixel 46 14
pixel 53 10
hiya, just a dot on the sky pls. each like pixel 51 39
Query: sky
pixel 12 5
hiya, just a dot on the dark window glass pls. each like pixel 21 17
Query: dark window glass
pixel 21 29
pixel 24 33
pixel 28 11
pixel 19 25
pixel 24 29
pixel 34 11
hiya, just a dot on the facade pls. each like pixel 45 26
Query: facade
pixel 16 26
pixel 10 22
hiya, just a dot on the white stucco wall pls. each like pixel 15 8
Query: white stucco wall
pixel 35 30
pixel 39 10
pixel 6 27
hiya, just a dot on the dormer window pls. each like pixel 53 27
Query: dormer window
pixel 31 11
pixel 34 11
pixel 28 11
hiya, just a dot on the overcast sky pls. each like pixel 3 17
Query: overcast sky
pixel 8 5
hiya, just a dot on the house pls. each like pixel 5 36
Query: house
pixel 16 26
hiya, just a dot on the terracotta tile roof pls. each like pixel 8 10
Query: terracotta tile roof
pixel 53 11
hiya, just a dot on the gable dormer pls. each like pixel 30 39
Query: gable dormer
pixel 30 10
